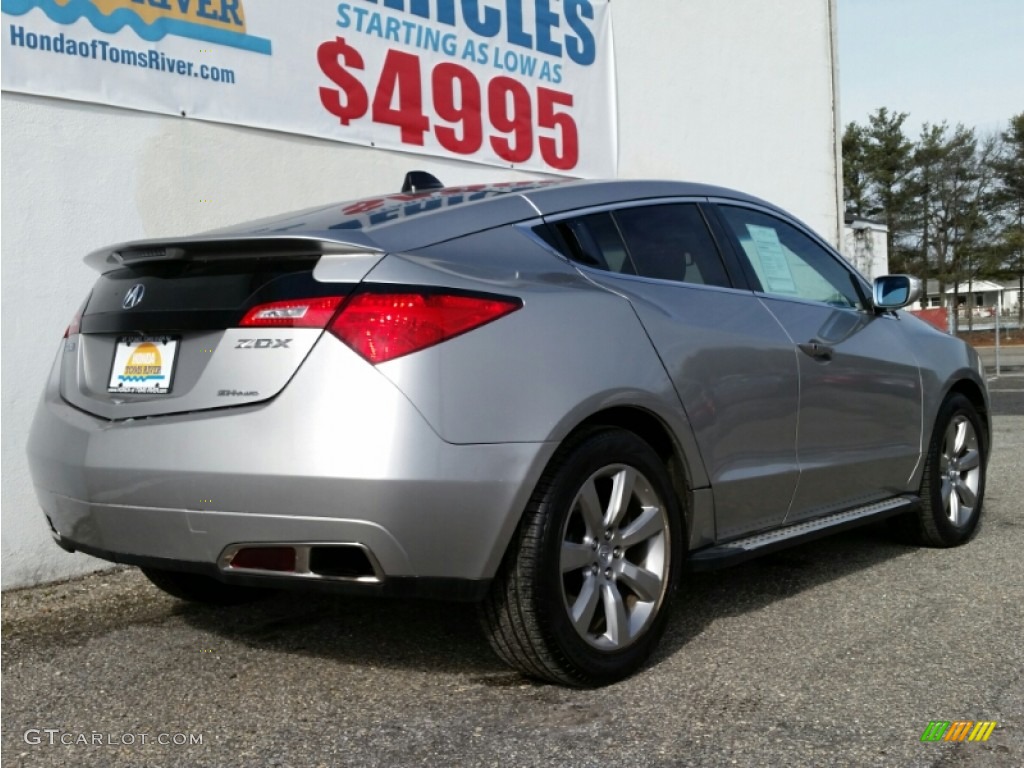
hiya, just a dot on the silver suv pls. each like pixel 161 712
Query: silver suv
pixel 551 398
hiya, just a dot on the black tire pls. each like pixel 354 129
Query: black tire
pixel 549 568
pixel 953 483
pixel 197 588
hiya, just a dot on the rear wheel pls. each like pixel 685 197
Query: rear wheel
pixel 196 588
pixel 953 484
pixel 582 596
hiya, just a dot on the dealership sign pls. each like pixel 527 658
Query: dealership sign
pixel 525 84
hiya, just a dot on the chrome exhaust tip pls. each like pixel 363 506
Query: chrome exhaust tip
pixel 350 562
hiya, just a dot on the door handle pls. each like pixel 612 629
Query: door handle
pixel 816 349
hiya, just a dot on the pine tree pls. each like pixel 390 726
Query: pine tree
pixel 1008 200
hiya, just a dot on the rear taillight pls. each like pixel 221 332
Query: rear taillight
pixel 299 313
pixel 383 326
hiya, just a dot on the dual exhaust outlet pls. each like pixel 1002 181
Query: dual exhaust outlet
pixel 332 562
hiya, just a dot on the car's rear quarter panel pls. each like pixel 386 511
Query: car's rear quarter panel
pixel 573 350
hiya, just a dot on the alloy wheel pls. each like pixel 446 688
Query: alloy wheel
pixel 614 557
pixel 960 470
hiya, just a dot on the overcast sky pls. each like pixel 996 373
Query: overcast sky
pixel 955 60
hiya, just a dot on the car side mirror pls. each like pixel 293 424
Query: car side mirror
pixel 896 291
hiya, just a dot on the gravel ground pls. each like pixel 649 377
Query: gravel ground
pixel 837 653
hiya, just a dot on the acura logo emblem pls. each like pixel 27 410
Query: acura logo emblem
pixel 134 296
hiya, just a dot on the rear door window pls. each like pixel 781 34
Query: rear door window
pixel 672 242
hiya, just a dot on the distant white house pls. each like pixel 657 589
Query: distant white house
pixel 865 245
pixel 982 297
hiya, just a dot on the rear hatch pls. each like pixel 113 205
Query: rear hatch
pixel 177 329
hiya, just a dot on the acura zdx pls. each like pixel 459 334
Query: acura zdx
pixel 548 397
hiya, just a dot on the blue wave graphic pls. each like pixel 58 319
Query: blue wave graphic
pixel 125 17
pixel 141 378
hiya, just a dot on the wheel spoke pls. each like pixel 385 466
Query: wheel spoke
pixel 970 460
pixel 644 583
pixel 949 441
pixel 590 509
pixel 648 524
pixel 615 614
pixel 946 491
pixel 953 510
pixel 965 495
pixel 961 437
pixel 585 606
pixel 622 494
pixel 575 556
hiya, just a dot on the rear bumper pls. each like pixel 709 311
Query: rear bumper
pixel 408 587
pixel 352 463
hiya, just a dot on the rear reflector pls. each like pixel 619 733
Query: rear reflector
pixel 383 326
pixel 297 313
pixel 265 559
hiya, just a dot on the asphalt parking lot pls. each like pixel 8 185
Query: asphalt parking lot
pixel 1009 358
pixel 836 653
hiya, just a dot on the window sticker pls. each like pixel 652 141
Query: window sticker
pixel 775 271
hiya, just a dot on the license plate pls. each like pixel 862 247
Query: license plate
pixel 143 365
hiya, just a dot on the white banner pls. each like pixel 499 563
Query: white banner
pixel 525 84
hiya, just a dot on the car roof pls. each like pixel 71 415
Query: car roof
pixel 403 222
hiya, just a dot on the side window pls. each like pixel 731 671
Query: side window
pixel 593 241
pixel 789 263
pixel 669 242
pixel 672 242
pixel 597 243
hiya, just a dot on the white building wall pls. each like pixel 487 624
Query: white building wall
pixel 738 94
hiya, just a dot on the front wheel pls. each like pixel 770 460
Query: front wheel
pixel 583 593
pixel 953 484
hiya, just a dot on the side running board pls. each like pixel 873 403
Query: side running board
pixel 733 552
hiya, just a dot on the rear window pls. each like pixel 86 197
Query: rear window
pixel 200 294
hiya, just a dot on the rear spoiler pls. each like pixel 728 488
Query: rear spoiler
pixel 219 247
